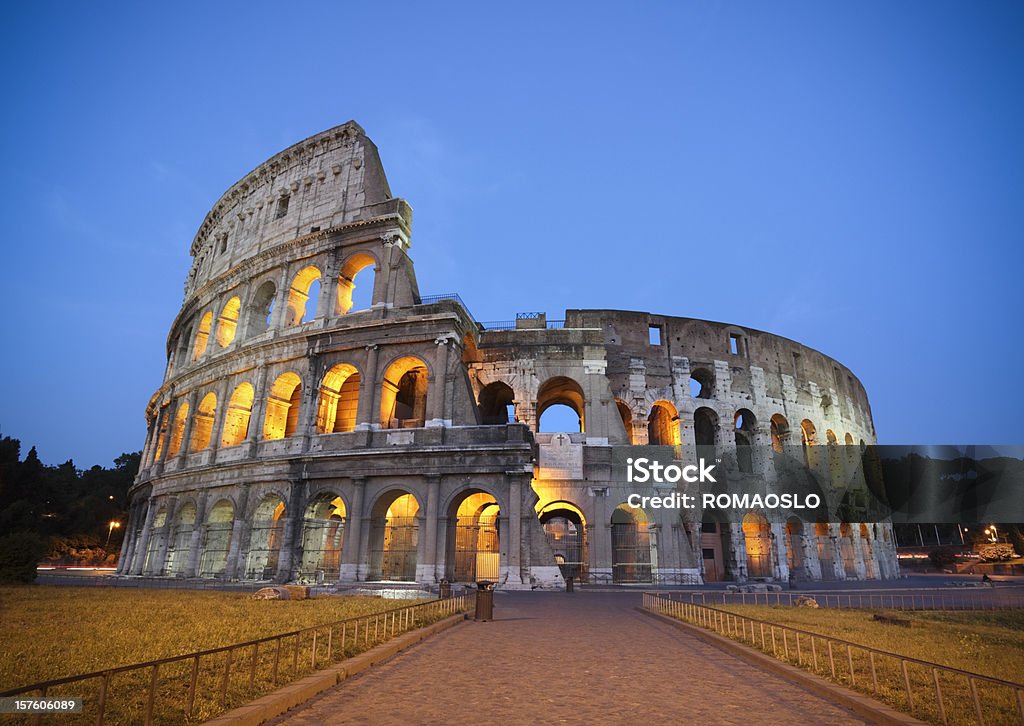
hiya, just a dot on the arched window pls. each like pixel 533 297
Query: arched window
pixel 323 535
pixel 355 287
pixel 227 323
pixel 631 545
pixel 808 438
pixel 236 418
pixel 403 400
pixel 339 400
pixel 627 419
pixel 757 535
pixel 202 426
pixel 702 383
pixel 181 542
pixel 394 536
pixel 556 395
pixel 217 539
pixel 780 432
pixel 705 427
pixel 202 335
pixel 744 424
pixel 261 308
pixel 496 406
pixel 178 431
pixel 301 303
pixel 282 417
pixel 473 552
pixel 663 425
pixel 566 530
pixel 265 539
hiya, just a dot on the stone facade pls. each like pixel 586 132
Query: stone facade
pixel 303 432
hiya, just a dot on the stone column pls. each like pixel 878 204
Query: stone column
pixel 239 527
pixel 196 542
pixel 259 407
pixel 218 419
pixel 368 415
pixel 426 570
pixel 292 532
pixel 350 553
pixel 139 559
pixel 517 522
pixel 165 536
pixel 326 305
pixel 780 550
pixel 278 316
pixel 128 543
pixel 186 435
pixel 436 391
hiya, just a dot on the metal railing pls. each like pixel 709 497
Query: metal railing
pixel 195 687
pixel 431 299
pixel 934 692
pixel 511 325
pixel 1005 598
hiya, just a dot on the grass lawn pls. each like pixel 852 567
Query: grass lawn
pixel 52 632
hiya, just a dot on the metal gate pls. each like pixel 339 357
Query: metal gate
pixel 322 541
pixel 568 541
pixel 264 549
pixel 631 553
pixel 476 552
pixel 394 555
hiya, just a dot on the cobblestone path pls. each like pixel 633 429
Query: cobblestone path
pixel 566 658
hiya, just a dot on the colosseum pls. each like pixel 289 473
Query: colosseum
pixel 320 420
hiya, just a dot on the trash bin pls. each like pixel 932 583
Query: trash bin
pixel 568 584
pixel 444 590
pixel 484 600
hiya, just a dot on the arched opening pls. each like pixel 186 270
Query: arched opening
pixel 302 297
pixel 355 287
pixel 236 418
pixel 178 430
pixel 202 335
pixel 473 536
pixel 566 532
pixel 265 539
pixel 757 535
pixel 394 537
pixel 795 547
pixel 403 398
pixel 808 434
pixel 261 309
pixel 867 552
pixel 823 540
pixel 565 393
pixel 156 539
pixel 835 460
pixel 714 541
pixel 631 545
pixel 847 551
pixel 161 434
pixel 181 540
pixel 282 417
pixel 180 356
pixel 744 425
pixel 323 536
pixel 217 539
pixel 496 404
pixel 627 419
pixel 702 383
pixel 227 323
pixel 202 426
pixel 780 433
pixel 663 425
pixel 705 432
pixel 339 400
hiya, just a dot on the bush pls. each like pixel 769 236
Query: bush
pixel 942 557
pixel 20 552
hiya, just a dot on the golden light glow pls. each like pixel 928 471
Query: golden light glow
pixel 283 407
pixel 228 322
pixel 663 425
pixel 403 400
pixel 346 280
pixel 236 419
pixel 202 335
pixel 178 431
pixel 202 426
pixel 339 400
pixel 298 295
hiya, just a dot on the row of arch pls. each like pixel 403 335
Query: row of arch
pixel 403 404
pixel 301 302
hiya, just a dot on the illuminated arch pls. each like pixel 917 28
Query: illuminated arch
pixel 236 418
pixel 627 419
pixel 323 537
pixel 758 540
pixel 779 432
pixel 227 323
pixel 202 425
pixel 178 430
pixel 217 539
pixel 282 417
pixel 202 335
pixel 561 391
pixel 181 540
pixel 663 425
pixel 298 295
pixel 394 536
pixel 565 527
pixel 631 545
pixel 338 401
pixel 265 538
pixel 403 399
pixel 496 402
pixel 347 280
pixel 472 544
pixel 261 308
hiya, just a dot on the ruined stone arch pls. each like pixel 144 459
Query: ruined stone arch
pixel 403 399
pixel 702 382
pixel 352 269
pixel 227 323
pixel 323 536
pixel 394 535
pixel 795 555
pixel 496 403
pixel 561 391
pixel 217 533
pixel 180 546
pixel 626 414
pixel 299 295
pixel 631 545
pixel 202 335
pixel 283 400
pixel 779 432
pixel 705 427
pixel 238 415
pixel 338 399
pixel 472 542
pixel 266 535
pixel 260 309
pixel 202 425
pixel 744 431
pixel 565 527
pixel 663 424
pixel 808 437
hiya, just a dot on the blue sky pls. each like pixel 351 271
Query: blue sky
pixel 848 175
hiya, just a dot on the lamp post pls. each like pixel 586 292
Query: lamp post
pixel 110 530
pixel 992 532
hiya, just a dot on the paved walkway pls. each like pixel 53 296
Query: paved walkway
pixel 561 658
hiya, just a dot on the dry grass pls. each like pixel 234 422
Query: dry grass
pixel 986 643
pixel 48 633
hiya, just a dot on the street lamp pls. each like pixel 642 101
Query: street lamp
pixel 992 533
pixel 110 531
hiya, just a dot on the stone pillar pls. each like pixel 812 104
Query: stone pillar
pixel 838 567
pixel 186 435
pixel 436 415
pixel 517 522
pixel 368 415
pixel 780 550
pixel 259 407
pixel 737 554
pixel 218 419
pixel 858 552
pixel 239 527
pixel 426 568
pixel 139 559
pixel 166 533
pixel 128 543
pixel 278 316
pixel 599 534
pixel 292 535
pixel 350 554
